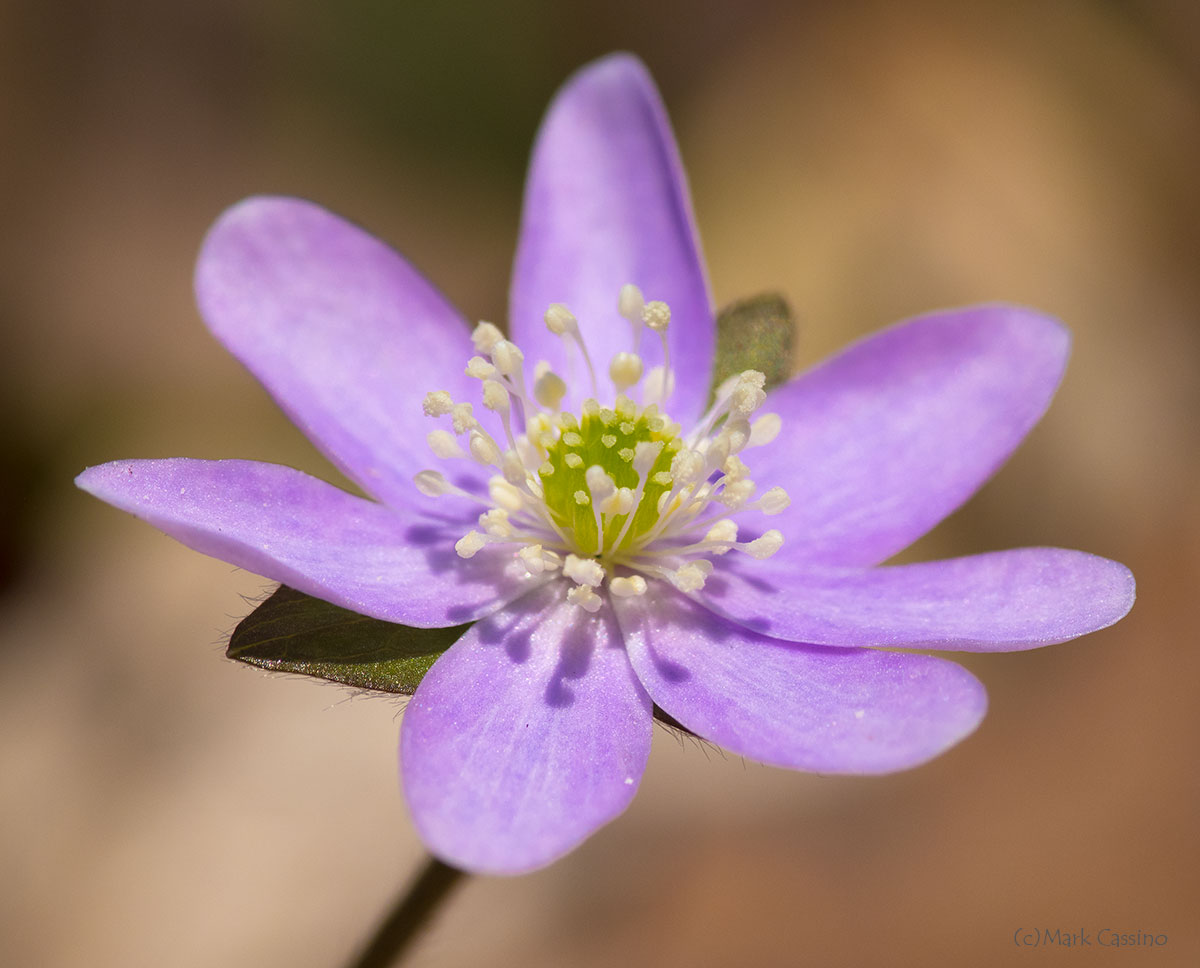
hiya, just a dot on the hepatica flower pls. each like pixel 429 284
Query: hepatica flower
pixel 620 536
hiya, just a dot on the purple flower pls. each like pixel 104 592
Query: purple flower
pixel 596 517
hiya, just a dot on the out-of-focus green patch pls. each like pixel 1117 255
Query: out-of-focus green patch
pixel 754 334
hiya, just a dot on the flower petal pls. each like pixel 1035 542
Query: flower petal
pixel 802 706
pixel 525 737
pixel 886 439
pixel 344 333
pixel 606 204
pixel 1004 601
pixel 292 528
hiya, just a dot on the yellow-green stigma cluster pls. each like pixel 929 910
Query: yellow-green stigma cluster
pixel 590 482
pixel 616 494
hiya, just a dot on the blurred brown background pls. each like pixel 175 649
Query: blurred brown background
pixel 164 806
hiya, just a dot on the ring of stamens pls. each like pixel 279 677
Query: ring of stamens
pixel 616 488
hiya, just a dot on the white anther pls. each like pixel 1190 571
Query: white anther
pixel 507 357
pixel 444 445
pixel 765 429
pixel 495 523
pixel 658 387
pixel 775 501
pixel 764 546
pixel 479 368
pixel 723 532
pixel 483 448
pixel 485 337
pixel 687 467
pixel 462 418
pixel 549 389
pixel 432 483
pixel 735 468
pixel 645 453
pixel 746 397
pixel 559 320
pixel 691 577
pixel 530 456
pixel 495 397
pixel 735 494
pixel 599 483
pixel 754 378
pixel 620 502
pixel 737 430
pixel 505 495
pixel 630 302
pixel 437 403
pixel 534 558
pixel 512 467
pixel 625 370
pixel 469 544
pixel 630 587
pixel 717 453
pixel 585 598
pixel 586 571
pixel 657 315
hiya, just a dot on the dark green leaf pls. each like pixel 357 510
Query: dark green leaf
pixel 294 632
pixel 755 334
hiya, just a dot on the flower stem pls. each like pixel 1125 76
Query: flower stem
pixel 411 913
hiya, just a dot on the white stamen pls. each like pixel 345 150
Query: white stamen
pixel 507 357
pixel 437 403
pixel 470 544
pixel 549 389
pixel 586 571
pixel 657 315
pixel 531 557
pixel 599 483
pixel 737 493
pixel 560 320
pixel 656 388
pixel 723 532
pixel 775 501
pixel 631 303
pixel 687 467
pixel 485 337
pixel 735 468
pixel 462 418
pixel 621 502
pixel 505 495
pixel 717 453
pixel 738 432
pixel 765 429
pixel 645 454
pixel 444 445
pixel 690 577
pixel 432 483
pixel 630 587
pixel 483 448
pixel 495 523
pixel 513 468
pixel 479 368
pixel 495 397
pixel 764 546
pixel 625 370
pixel 585 598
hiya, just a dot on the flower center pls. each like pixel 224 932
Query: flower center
pixel 616 493
pixel 605 474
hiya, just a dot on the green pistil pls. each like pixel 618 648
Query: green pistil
pixel 608 439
